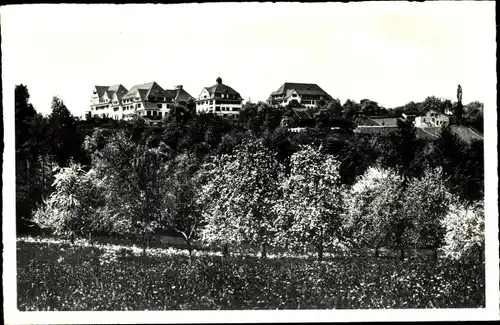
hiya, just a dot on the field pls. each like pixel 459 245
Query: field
pixel 57 275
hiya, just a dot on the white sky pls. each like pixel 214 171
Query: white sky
pixel 392 53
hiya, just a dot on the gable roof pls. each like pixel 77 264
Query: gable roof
pixel 182 96
pixel 101 90
pixel 302 114
pixel 301 89
pixel 145 90
pixel 119 90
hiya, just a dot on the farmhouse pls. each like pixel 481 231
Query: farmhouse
pixel 307 95
pixel 219 99
pixel 432 118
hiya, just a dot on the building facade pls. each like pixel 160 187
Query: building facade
pixel 432 118
pixel 149 100
pixel 221 100
pixel 308 95
pixel 107 101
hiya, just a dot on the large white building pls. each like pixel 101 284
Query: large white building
pixel 432 118
pixel 149 100
pixel 219 99
pixel 308 95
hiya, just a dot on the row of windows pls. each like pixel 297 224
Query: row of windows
pixel 218 95
pixel 219 102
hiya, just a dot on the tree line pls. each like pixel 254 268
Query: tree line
pixel 202 177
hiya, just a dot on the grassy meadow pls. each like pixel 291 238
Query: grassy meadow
pixel 58 275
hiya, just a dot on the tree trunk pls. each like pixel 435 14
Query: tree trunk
pixel 144 243
pixel 320 251
pixel 190 251
pixel 402 253
pixel 435 254
pixel 225 250
pixel 72 238
pixel 263 250
pixel 377 252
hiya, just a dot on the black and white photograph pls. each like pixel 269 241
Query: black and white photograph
pixel 249 162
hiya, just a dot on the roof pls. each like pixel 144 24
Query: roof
pixel 302 114
pixel 118 89
pixel 101 90
pixel 145 90
pixel 182 96
pixel 301 89
pixel 222 89
pixel 465 133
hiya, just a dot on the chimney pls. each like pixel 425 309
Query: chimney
pixel 178 87
pixel 219 80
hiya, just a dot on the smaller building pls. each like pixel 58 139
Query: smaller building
pixel 308 95
pixel 432 118
pixel 221 100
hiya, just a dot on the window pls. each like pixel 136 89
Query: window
pixel 154 113
pixel 159 114
pixel 217 108
pixel 211 102
pixel 148 113
pixel 294 95
pixel 139 105
pixel 235 109
pixel 159 105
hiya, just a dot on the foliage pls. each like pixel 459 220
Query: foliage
pixel 308 215
pixel 238 194
pixel 375 206
pixel 464 225
pixel 427 201
pixel 181 212
pixel 70 277
pixel 133 179
pixel 72 207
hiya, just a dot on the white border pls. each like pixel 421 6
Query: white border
pixel 12 316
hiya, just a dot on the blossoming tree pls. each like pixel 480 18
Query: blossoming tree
pixel 309 212
pixel 238 195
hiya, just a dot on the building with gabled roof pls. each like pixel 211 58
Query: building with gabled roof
pixel 432 118
pixel 219 99
pixel 149 100
pixel 308 95
pixel 106 101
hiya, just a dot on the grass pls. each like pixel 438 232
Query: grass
pixel 56 275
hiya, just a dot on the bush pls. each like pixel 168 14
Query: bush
pixel 464 226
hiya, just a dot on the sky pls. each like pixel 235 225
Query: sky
pixel 392 53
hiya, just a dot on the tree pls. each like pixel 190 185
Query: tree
pixel 24 112
pixel 133 178
pixel 72 208
pixel 181 212
pixel 351 109
pixel 238 194
pixel 370 107
pixel 62 133
pixel 427 201
pixel 405 143
pixel 308 214
pixel 376 217
pixel 464 226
